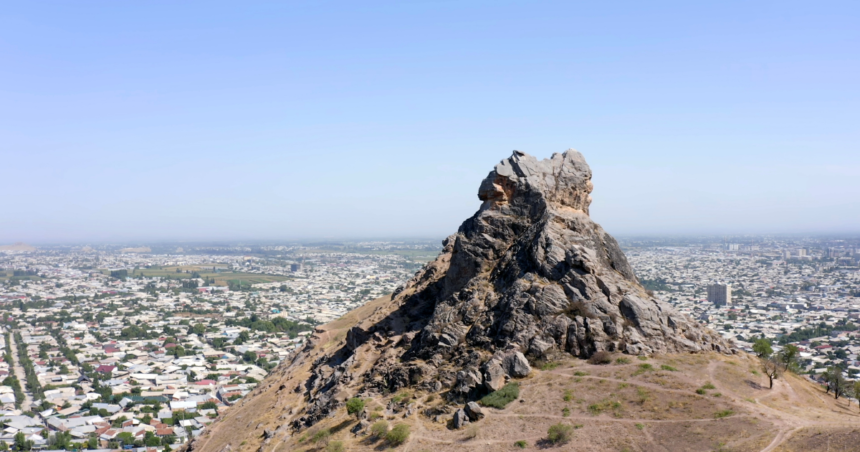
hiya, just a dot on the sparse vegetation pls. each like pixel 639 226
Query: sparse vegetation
pixel 642 358
pixel 355 405
pixel 723 413
pixel 521 444
pixel 565 412
pixel 379 429
pixel 400 397
pixel 580 373
pixel 708 385
pixel 622 360
pixel 668 367
pixel 568 395
pixel 560 434
pixel 601 358
pixel 321 437
pixel 640 426
pixel 471 432
pixel 335 446
pixel 398 435
pixel 644 367
pixel 501 398
pixel 548 365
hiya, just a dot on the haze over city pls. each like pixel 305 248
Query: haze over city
pixel 159 121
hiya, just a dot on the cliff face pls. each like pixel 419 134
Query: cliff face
pixel 528 277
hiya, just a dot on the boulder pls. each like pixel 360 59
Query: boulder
pixel 474 411
pixel 460 419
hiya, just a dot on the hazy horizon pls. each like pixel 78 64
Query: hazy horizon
pixel 210 121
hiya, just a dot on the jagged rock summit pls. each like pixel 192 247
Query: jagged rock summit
pixel 530 275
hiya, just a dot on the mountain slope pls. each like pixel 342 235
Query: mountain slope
pixel 529 279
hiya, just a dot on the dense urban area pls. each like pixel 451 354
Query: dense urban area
pixel 142 347
pixel 108 347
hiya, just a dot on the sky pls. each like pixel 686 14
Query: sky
pixel 157 120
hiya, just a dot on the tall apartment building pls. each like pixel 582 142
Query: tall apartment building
pixel 720 294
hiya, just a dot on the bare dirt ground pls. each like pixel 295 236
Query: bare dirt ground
pixel 632 405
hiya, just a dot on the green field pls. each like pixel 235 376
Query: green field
pixel 221 277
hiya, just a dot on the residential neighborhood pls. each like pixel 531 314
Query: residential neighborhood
pixel 127 349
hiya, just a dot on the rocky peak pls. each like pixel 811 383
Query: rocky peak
pixel 526 183
pixel 528 276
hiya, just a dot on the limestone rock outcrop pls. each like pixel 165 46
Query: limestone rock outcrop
pixel 528 276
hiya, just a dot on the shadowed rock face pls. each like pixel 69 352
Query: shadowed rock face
pixel 529 275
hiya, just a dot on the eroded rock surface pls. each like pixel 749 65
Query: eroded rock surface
pixel 529 275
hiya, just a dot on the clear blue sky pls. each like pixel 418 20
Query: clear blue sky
pixel 309 119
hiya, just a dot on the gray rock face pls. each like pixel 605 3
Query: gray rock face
pixel 474 411
pixel 460 419
pixel 528 275
pixel 531 270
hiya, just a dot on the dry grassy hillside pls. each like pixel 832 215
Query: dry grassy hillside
pixel 632 404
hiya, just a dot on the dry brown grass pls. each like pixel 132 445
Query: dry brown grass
pixel 632 409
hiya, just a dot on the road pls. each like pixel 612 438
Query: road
pixel 19 373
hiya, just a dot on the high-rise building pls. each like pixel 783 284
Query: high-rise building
pixel 720 294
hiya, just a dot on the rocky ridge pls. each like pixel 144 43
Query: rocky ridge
pixel 528 277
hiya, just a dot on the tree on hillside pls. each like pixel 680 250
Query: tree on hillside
pixel 771 367
pixel 762 348
pixel 788 356
pixel 835 381
pixel 856 391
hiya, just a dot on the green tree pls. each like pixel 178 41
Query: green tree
pixel 198 329
pixel 355 406
pixel 788 357
pixel 762 348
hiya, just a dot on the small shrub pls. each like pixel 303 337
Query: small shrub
pixel 708 385
pixel 321 436
pixel 701 391
pixel 668 367
pixel 642 358
pixel 499 399
pixel 398 435
pixel 643 394
pixel 565 412
pixel 521 444
pixel 560 434
pixel 640 426
pixel 568 395
pixel 471 432
pixel 374 416
pixel 548 366
pixel 335 446
pixel 354 405
pixel 722 414
pixel 379 429
pixel 717 394
pixel 643 368
pixel 400 397
pixel 601 357
pixel 622 361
